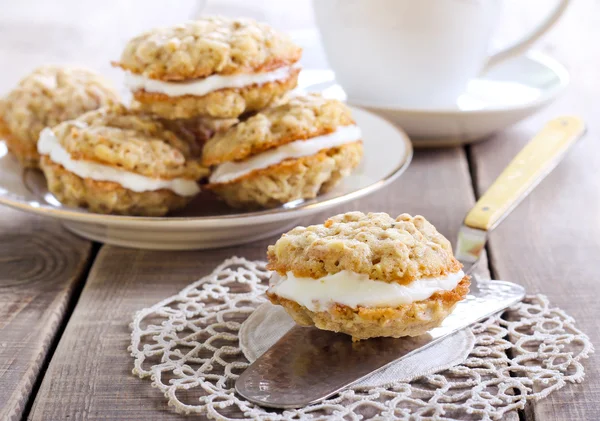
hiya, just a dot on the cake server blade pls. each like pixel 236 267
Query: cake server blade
pixel 308 365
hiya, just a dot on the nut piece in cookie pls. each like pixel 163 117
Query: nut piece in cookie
pixel 293 151
pixel 198 130
pixel 214 66
pixel 367 275
pixel 44 98
pixel 117 161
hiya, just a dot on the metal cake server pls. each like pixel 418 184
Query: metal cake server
pixel 308 365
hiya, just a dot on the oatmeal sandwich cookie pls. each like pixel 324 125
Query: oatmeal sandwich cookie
pixel 118 161
pixel 367 275
pixel 213 66
pixel 292 151
pixel 46 97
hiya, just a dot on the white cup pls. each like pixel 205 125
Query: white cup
pixel 413 53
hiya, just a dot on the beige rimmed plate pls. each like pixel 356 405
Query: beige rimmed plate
pixel 206 222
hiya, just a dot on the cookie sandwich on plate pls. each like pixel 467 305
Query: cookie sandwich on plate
pixel 48 96
pixel 214 66
pixel 292 151
pixel 367 275
pixel 118 161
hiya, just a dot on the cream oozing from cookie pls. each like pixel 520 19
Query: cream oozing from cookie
pixel 230 171
pixel 200 87
pixel 353 289
pixel 48 145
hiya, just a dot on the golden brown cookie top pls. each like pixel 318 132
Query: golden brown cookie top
pixel 209 45
pixel 302 117
pixel 53 94
pixel 131 141
pixel 386 249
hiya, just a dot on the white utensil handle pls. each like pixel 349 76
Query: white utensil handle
pixel 523 44
pixel 531 165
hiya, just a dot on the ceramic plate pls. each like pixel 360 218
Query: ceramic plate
pixel 509 92
pixel 207 222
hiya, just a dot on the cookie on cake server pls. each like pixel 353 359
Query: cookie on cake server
pixel 44 98
pixel 213 66
pixel 118 161
pixel 292 151
pixel 367 275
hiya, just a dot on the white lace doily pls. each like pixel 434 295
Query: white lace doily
pixel 188 345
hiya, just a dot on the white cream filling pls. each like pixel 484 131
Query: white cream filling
pixel 203 86
pixel 48 145
pixel 229 171
pixel 353 290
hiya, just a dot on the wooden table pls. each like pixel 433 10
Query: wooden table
pixel 65 303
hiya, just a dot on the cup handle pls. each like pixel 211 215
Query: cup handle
pixel 526 41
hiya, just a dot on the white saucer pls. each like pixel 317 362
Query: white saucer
pixel 508 93
pixel 207 222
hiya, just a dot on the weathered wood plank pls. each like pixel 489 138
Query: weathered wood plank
pixel 40 263
pixel 91 369
pixel 40 266
pixel 551 243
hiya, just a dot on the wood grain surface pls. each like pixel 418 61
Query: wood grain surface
pixel 91 369
pixel 551 242
pixel 40 263
pixel 40 266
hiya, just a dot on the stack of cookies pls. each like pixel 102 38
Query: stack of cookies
pixel 210 106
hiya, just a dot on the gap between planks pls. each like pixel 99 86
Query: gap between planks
pixel 518 415
pixel 71 304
